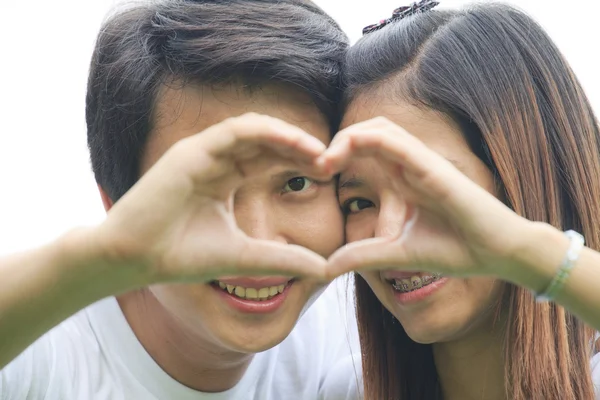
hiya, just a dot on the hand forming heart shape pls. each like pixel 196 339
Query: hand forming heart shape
pixel 178 219
pixel 454 226
pixel 178 222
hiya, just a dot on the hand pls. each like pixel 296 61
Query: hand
pixel 177 221
pixel 455 228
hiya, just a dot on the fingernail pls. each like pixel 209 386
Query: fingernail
pixel 324 165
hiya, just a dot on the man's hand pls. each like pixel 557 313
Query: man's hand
pixel 178 219
pixel 175 225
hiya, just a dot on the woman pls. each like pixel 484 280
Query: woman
pixel 501 134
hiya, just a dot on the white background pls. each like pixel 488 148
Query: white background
pixel 46 186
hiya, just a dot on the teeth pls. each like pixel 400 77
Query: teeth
pixel 260 294
pixel 403 284
pixel 240 291
pixel 415 282
pixel 263 293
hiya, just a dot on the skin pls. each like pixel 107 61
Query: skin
pixel 436 210
pixel 177 225
pixel 211 171
pixel 458 319
pixel 195 336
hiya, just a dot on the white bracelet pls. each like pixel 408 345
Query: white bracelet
pixel 558 282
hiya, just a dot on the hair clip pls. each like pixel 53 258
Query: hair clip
pixel 401 13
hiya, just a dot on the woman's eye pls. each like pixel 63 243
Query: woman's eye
pixel 355 205
pixel 298 184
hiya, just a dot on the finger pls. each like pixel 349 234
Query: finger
pixel 368 254
pixel 236 136
pixel 217 178
pixel 272 163
pixel 426 171
pixel 374 124
pixel 395 146
pixel 435 178
pixel 263 257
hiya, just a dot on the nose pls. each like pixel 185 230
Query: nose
pixel 257 217
pixel 392 216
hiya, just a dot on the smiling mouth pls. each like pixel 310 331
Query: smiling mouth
pixel 252 294
pixel 415 282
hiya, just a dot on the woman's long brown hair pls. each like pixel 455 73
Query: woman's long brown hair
pixel 495 72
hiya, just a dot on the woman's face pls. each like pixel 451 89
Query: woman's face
pixel 431 310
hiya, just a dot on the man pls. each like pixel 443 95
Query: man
pixel 205 308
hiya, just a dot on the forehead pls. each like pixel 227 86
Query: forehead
pixel 438 131
pixel 184 111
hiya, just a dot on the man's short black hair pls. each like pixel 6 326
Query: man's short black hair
pixel 208 42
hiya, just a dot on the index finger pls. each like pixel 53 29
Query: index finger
pixel 383 139
pixel 228 137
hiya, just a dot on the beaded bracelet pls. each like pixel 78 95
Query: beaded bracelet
pixel 558 282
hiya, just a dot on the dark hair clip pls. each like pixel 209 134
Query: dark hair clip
pixel 402 12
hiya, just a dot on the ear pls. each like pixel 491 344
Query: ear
pixel 106 200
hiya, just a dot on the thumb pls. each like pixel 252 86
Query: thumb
pixel 265 257
pixel 368 254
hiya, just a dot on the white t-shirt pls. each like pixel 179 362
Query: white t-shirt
pixel 596 374
pixel 95 355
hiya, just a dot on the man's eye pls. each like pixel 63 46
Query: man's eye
pixel 353 206
pixel 298 184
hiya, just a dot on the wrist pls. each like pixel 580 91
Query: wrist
pixel 537 259
pixel 89 262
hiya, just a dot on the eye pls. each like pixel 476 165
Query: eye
pixel 352 206
pixel 298 184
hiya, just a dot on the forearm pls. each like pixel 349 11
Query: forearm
pixel 42 287
pixel 547 248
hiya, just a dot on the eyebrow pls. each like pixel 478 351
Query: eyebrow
pixel 352 183
pixel 287 175
pixel 356 183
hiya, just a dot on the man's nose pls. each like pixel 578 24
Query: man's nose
pixel 392 216
pixel 257 218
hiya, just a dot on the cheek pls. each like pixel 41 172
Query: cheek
pixel 469 305
pixel 191 304
pixel 360 226
pixel 378 287
pixel 484 293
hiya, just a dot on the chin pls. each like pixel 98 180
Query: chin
pixel 211 314
pixel 436 332
pixel 252 345
pixel 253 337
pixel 450 323
pixel 458 308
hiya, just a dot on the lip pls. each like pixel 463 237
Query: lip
pixel 254 306
pixel 255 283
pixel 419 295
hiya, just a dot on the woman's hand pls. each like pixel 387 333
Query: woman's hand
pixel 455 226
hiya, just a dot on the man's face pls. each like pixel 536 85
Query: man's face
pixel 250 314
